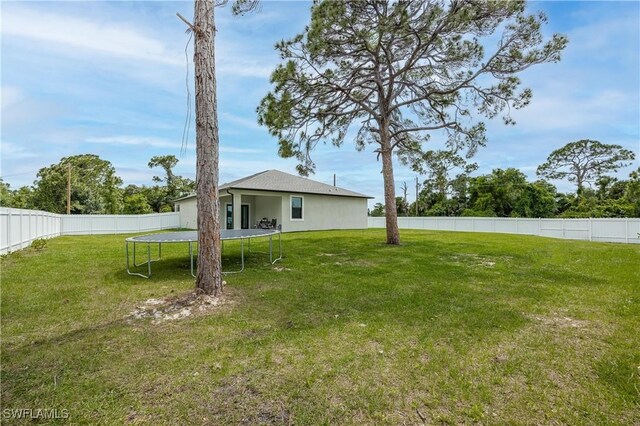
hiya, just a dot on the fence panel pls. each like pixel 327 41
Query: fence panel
pixel 19 227
pixel 618 230
pixel 118 224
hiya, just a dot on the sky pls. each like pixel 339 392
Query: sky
pixel 112 79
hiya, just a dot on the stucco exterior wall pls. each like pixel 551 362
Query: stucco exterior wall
pixel 223 206
pixel 188 213
pixel 269 207
pixel 319 212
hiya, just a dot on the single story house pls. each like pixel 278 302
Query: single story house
pixel 276 198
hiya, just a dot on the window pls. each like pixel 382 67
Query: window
pixel 177 207
pixel 296 208
pixel 229 215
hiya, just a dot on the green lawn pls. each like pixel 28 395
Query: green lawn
pixel 447 328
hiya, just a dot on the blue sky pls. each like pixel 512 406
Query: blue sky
pixel 109 78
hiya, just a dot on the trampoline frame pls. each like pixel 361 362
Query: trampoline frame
pixel 191 237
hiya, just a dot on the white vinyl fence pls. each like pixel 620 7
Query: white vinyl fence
pixel 19 227
pixel 618 230
pixel 89 224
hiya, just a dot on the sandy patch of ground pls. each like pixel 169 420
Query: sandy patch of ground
pixel 475 260
pixel 560 321
pixel 175 308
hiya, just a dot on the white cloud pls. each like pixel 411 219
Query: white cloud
pixel 98 36
pixel 161 143
pixel 134 141
pixel 19 109
pixel 242 121
pixel 236 150
pixel 239 67
pixel 12 151
pixel 552 111
pixel 601 35
pixel 135 176
pixel 10 96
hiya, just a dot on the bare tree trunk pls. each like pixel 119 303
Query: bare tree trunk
pixel 209 278
pixel 391 212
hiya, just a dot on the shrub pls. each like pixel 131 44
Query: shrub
pixel 39 244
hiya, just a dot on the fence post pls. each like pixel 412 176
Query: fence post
pixel 20 232
pixel 539 227
pixel 563 229
pixel 9 230
pixel 626 230
pixel 493 224
pixel 590 229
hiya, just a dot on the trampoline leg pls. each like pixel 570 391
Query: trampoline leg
pixel 148 254
pixel 149 258
pixel 126 249
pixel 279 248
pixel 191 258
pixel 241 259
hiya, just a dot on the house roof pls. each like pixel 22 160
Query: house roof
pixel 277 181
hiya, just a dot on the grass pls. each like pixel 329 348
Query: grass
pixel 448 328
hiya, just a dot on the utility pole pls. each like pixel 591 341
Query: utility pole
pixel 334 179
pixel 405 207
pixel 69 188
pixel 417 189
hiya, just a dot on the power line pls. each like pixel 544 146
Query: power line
pixel 19 174
pixel 187 120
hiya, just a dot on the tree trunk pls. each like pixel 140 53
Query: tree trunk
pixel 580 183
pixel 209 277
pixel 391 212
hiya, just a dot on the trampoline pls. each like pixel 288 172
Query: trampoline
pixel 191 237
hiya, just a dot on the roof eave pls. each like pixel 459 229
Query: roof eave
pixel 300 192
pixel 280 191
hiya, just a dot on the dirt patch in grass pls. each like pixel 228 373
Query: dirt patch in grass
pixel 237 394
pixel 475 260
pixel 560 321
pixel 174 308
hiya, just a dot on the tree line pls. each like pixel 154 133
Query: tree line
pixel 449 190
pixel 96 188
